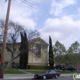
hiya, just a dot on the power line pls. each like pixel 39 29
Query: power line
pixel 37 8
pixel 20 12
pixel 28 4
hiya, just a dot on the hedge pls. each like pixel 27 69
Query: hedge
pixel 39 67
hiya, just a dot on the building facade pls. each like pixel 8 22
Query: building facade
pixel 38 52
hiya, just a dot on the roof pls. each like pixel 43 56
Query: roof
pixel 39 39
pixel 29 41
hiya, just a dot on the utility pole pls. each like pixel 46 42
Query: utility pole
pixel 4 40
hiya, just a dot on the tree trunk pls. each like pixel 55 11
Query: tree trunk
pixel 1 70
pixel 9 64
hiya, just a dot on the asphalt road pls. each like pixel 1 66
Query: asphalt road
pixel 63 77
pixel 60 78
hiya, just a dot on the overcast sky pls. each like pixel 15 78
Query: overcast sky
pixel 58 18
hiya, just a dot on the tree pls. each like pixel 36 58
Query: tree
pixel 59 51
pixel 14 30
pixel 59 48
pixel 2 25
pixel 51 56
pixel 59 59
pixel 32 34
pixel 71 59
pixel 74 48
pixel 73 54
pixel 13 36
pixel 24 51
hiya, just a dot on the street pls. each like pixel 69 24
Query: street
pixel 31 77
pixel 60 78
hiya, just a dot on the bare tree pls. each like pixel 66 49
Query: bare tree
pixel 2 24
pixel 13 36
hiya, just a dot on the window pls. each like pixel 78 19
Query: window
pixel 52 71
pixel 38 49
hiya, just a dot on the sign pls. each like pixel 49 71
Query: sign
pixel 76 76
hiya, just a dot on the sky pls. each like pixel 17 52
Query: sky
pixel 59 19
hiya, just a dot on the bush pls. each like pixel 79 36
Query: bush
pixel 39 67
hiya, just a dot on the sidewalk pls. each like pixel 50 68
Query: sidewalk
pixel 63 75
pixel 17 76
pixel 24 76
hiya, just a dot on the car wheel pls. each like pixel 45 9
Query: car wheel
pixel 44 77
pixel 56 76
pixel 35 76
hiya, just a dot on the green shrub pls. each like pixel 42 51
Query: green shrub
pixel 39 67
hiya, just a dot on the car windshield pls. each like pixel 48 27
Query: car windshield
pixel 53 71
pixel 47 71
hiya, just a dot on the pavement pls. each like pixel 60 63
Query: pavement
pixel 24 76
pixel 18 76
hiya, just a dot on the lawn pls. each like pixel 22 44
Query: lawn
pixel 35 71
pixel 39 71
pixel 13 71
pixel 66 72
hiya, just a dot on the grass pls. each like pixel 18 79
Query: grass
pixel 35 71
pixel 66 72
pixel 39 71
pixel 13 71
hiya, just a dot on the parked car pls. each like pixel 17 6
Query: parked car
pixel 60 66
pixel 57 67
pixel 69 68
pixel 47 74
pixel 64 68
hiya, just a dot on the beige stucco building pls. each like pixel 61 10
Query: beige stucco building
pixel 38 53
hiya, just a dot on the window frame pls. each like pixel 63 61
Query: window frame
pixel 38 49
